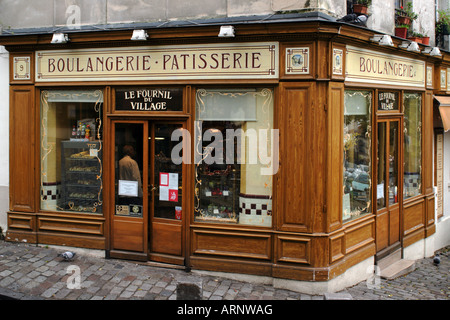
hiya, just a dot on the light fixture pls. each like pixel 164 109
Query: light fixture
pixel 410 46
pixel 60 38
pixel 383 40
pixel 226 31
pixel 139 35
pixel 432 51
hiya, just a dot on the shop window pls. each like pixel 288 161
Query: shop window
pixel 357 154
pixel 413 145
pixel 234 140
pixel 71 151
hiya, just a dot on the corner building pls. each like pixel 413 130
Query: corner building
pixel 346 126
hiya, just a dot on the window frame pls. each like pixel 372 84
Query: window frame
pixel 225 88
pixel 102 114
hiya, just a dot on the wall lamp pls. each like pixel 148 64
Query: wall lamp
pixel 139 35
pixel 226 31
pixel 410 46
pixel 432 51
pixel 383 40
pixel 60 38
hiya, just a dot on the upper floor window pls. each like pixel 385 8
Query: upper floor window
pixel 400 4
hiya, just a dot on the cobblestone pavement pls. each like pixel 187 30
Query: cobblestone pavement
pixel 36 272
pixel 426 282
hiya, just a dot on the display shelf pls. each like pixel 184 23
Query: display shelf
pixel 81 181
pixel 218 194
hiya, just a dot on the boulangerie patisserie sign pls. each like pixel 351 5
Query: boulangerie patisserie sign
pixel 257 60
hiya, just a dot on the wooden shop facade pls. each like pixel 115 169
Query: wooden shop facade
pixel 295 149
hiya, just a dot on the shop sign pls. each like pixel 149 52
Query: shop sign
pixel 381 68
pixel 214 61
pixel 439 173
pixel 387 101
pixel 149 99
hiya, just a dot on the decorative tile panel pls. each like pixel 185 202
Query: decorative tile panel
pixel 298 60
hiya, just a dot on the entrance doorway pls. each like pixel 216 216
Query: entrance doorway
pixel 149 198
pixel 389 186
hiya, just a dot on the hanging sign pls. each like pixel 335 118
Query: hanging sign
pixel 149 99
pixel 254 60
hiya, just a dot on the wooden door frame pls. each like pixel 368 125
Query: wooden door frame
pixel 388 118
pixel 114 252
pixel 161 257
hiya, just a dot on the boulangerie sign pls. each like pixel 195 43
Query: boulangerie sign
pixel 257 60
pixel 374 67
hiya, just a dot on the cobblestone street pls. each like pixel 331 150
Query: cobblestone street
pixel 426 282
pixel 36 272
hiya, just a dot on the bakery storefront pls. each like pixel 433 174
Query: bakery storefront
pixel 289 153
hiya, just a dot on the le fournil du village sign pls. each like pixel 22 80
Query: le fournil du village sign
pixel 149 99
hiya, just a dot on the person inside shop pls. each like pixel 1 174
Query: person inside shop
pixel 129 171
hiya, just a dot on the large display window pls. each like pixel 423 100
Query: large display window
pixel 357 154
pixel 412 174
pixel 71 151
pixel 233 152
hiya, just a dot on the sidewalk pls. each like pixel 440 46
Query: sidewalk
pixel 36 272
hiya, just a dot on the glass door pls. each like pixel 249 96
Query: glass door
pixel 148 193
pixel 388 188
pixel 165 197
pixel 129 218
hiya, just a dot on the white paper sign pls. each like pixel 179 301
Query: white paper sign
pixel 168 181
pixel 173 180
pixel 380 191
pixel 93 152
pixel 346 204
pixel 163 193
pixel 163 179
pixel 128 188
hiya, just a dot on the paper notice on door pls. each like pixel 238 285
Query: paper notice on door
pixel 173 181
pixel 168 187
pixel 380 191
pixel 128 188
pixel 164 179
pixel 163 193
pixel 173 195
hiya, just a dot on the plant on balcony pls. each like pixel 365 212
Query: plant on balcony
pixel 443 23
pixel 415 36
pixel 406 15
pixel 442 27
pixel 401 30
pixel 361 6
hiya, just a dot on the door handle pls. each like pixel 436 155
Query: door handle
pixel 153 188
